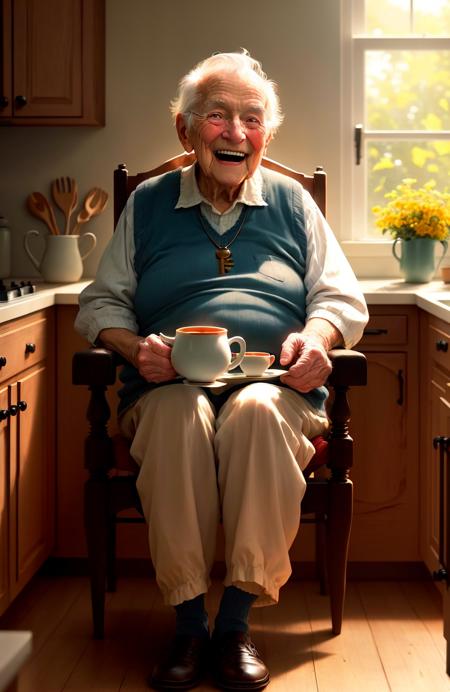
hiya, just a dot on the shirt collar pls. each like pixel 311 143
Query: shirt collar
pixel 251 192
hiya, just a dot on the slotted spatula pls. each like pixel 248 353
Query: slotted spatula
pixel 94 203
pixel 39 206
pixel 65 195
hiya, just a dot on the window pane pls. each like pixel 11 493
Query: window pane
pixel 388 17
pixel 389 162
pixel 394 17
pixel 432 17
pixel 407 90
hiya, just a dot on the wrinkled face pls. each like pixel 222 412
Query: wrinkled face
pixel 227 132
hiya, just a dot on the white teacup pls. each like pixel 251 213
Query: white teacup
pixel 202 353
pixel 255 363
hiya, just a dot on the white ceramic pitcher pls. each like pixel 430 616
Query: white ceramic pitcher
pixel 62 261
pixel 202 354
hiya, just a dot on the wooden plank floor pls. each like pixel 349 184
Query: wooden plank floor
pixel 391 640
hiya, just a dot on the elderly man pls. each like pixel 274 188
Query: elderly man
pixel 287 288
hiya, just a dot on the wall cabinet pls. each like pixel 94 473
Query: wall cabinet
pixel 27 415
pixel 384 425
pixel 52 70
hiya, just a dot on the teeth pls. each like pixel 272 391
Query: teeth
pixel 231 153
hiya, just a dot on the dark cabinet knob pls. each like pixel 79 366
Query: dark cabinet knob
pixel 440 574
pixel 20 101
pixel 442 345
pixel 30 348
pixel 13 410
pixel 22 405
pixel 4 101
pixel 4 414
pixel 2 361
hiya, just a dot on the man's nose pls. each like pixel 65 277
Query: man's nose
pixel 234 130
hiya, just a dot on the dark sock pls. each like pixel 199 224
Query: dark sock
pixel 192 618
pixel 234 610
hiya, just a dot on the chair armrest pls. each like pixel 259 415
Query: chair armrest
pixel 94 367
pixel 349 368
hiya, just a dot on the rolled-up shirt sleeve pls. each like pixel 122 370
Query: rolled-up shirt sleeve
pixel 332 290
pixel 109 300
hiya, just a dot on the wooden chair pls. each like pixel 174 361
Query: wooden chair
pixel 111 488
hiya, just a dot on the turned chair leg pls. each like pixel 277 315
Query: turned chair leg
pixel 338 527
pixel 96 527
pixel 111 577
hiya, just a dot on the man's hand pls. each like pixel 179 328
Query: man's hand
pixel 306 354
pixel 152 359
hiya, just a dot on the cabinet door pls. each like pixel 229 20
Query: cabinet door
pixel 4 492
pixel 5 57
pixel 439 426
pixel 385 525
pixel 31 481
pixel 47 64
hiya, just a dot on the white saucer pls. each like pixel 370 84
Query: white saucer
pixel 211 385
pixel 238 376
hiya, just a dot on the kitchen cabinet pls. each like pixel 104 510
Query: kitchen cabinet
pixel 27 462
pixel 384 425
pixel 435 431
pixel 53 62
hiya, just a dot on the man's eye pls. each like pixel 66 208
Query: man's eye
pixel 253 120
pixel 218 117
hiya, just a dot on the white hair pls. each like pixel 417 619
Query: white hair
pixel 242 64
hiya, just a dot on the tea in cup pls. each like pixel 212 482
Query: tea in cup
pixel 255 363
pixel 202 353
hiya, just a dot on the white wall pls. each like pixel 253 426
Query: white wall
pixel 149 46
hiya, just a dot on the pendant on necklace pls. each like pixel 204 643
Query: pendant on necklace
pixel 225 260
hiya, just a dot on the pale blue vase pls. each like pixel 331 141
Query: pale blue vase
pixel 417 262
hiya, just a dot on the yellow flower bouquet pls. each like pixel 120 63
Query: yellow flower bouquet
pixel 415 213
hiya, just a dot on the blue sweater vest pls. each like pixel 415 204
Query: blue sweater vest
pixel 262 298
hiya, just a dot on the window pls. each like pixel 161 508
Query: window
pixel 397 95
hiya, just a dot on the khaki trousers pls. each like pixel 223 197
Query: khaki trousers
pixel 242 464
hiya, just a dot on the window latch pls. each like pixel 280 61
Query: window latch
pixel 358 138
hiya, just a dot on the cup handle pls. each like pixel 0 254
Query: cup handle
pixel 272 358
pixel 237 360
pixel 168 340
pixel 399 259
pixel 444 244
pixel 26 238
pixel 94 243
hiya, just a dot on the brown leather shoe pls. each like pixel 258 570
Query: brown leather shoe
pixel 184 664
pixel 237 664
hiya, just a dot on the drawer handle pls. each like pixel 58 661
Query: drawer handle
pixel 442 345
pixel 373 331
pixel 30 348
pixel 4 414
pixel 2 361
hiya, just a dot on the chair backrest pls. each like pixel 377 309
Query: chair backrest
pixel 124 184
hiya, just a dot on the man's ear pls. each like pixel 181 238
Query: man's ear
pixel 182 131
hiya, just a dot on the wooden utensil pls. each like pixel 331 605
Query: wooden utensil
pixel 65 195
pixel 94 203
pixel 39 206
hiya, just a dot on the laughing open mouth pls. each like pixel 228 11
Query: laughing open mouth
pixel 228 155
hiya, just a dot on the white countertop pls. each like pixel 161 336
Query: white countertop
pixel 377 292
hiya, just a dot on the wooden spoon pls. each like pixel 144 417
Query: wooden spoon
pixel 65 195
pixel 39 206
pixel 94 203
